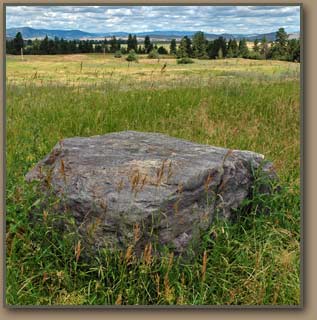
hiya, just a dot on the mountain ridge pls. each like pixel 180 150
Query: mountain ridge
pixel 32 33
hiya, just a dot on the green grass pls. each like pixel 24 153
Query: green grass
pixel 252 105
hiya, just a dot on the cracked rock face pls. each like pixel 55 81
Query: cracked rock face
pixel 132 188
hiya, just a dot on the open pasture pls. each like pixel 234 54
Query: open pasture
pixel 233 103
pixel 99 69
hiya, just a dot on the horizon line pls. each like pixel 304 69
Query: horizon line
pixel 156 30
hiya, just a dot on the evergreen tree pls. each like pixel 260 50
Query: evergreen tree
pixel 148 46
pixel 173 48
pixel 36 47
pixel 229 53
pixel 213 48
pixel 281 38
pixel 279 48
pixel 183 48
pixel 264 48
pixel 243 49
pixel 199 45
pixel 134 43
pixel 129 43
pixel 9 47
pixel 98 48
pixel 256 47
pixel 18 43
pixel 51 49
pixel 80 47
pixel 233 47
pixel 105 46
pixel 64 46
pixel 229 49
pixel 73 47
pixel 114 45
pixel 220 43
pixel 189 48
pixel 56 44
pixel 44 46
pixel 90 46
pixel 293 49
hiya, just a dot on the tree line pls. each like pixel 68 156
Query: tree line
pixel 62 46
pixel 197 47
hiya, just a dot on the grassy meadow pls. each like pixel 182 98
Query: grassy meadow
pixel 234 103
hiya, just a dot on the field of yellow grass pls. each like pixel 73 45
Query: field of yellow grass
pixel 96 69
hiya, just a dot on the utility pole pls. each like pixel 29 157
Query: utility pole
pixel 22 54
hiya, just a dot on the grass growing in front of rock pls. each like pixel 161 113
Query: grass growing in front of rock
pixel 252 262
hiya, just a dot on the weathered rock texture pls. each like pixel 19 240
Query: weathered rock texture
pixel 131 187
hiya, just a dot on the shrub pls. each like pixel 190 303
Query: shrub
pixel 255 55
pixel 123 50
pixel 205 57
pixel 118 54
pixel 185 60
pixel 153 54
pixel 132 56
pixel 162 50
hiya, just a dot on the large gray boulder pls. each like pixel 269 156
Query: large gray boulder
pixel 132 188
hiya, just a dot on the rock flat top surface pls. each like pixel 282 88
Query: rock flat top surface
pixel 135 187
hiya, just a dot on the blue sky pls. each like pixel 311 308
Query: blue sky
pixel 211 19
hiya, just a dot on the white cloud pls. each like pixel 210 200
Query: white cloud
pixel 231 19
